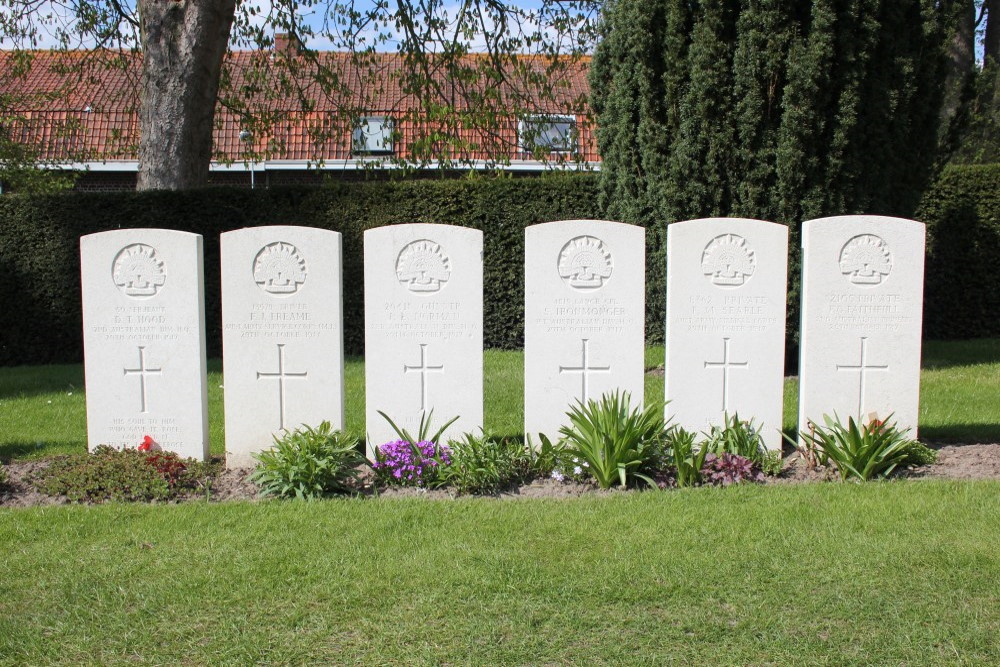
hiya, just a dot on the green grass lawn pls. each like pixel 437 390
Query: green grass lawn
pixel 883 573
pixel 901 572
pixel 42 408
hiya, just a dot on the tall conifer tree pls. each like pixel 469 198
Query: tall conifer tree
pixel 783 110
pixel 779 109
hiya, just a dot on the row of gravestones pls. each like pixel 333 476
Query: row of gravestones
pixel 144 329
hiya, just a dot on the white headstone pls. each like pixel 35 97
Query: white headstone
pixel 423 328
pixel 726 289
pixel 144 339
pixel 282 323
pixel 862 310
pixel 584 317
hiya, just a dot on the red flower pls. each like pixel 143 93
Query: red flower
pixel 148 444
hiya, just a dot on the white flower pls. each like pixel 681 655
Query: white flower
pixel 586 465
pixel 558 476
pixel 578 470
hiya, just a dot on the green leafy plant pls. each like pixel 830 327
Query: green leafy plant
pixel 4 478
pixel 618 443
pixel 743 438
pixel 309 463
pixel 686 456
pixel 544 459
pixel 480 464
pixel 422 429
pixel 919 454
pixel 876 449
pixel 122 475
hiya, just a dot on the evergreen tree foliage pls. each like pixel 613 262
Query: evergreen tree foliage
pixel 782 110
pixel 776 109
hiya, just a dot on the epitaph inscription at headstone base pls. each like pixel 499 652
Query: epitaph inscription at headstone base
pixel 584 317
pixel 725 336
pixel 423 329
pixel 282 323
pixel 144 339
pixel 862 312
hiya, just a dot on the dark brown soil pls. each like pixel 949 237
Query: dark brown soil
pixel 955 461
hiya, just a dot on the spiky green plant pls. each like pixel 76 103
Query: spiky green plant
pixel 687 457
pixel 618 442
pixel 875 449
pixel 422 429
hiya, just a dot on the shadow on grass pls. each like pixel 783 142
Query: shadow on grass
pixel 938 354
pixel 10 451
pixel 961 433
pixel 27 381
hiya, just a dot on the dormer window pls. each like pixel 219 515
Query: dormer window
pixel 549 133
pixel 373 136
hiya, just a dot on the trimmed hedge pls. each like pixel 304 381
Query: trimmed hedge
pixel 40 320
pixel 962 292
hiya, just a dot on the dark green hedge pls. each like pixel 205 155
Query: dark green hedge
pixel 39 248
pixel 962 292
pixel 39 244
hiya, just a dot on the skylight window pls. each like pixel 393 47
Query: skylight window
pixel 548 133
pixel 373 135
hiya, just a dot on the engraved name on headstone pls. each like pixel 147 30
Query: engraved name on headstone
pixel 144 339
pixel 726 285
pixel 423 328
pixel 282 324
pixel 584 317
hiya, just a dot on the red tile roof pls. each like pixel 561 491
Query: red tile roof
pixel 81 106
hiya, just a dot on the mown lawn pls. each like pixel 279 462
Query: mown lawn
pixel 884 573
pixel 901 572
pixel 42 408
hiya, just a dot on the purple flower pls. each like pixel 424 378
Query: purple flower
pixel 404 462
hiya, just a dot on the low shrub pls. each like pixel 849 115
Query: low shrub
pixel 725 469
pixel 744 439
pixel 4 478
pixel 122 475
pixel 919 454
pixel 309 463
pixel 483 465
pixel 546 458
pixel 873 450
pixel 619 444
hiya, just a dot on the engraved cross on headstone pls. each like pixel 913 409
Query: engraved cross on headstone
pixel 725 365
pixel 142 372
pixel 281 376
pixel 584 369
pixel 423 369
pixel 861 368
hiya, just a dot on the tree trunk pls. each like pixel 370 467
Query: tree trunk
pixel 183 43
pixel 961 61
pixel 991 42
